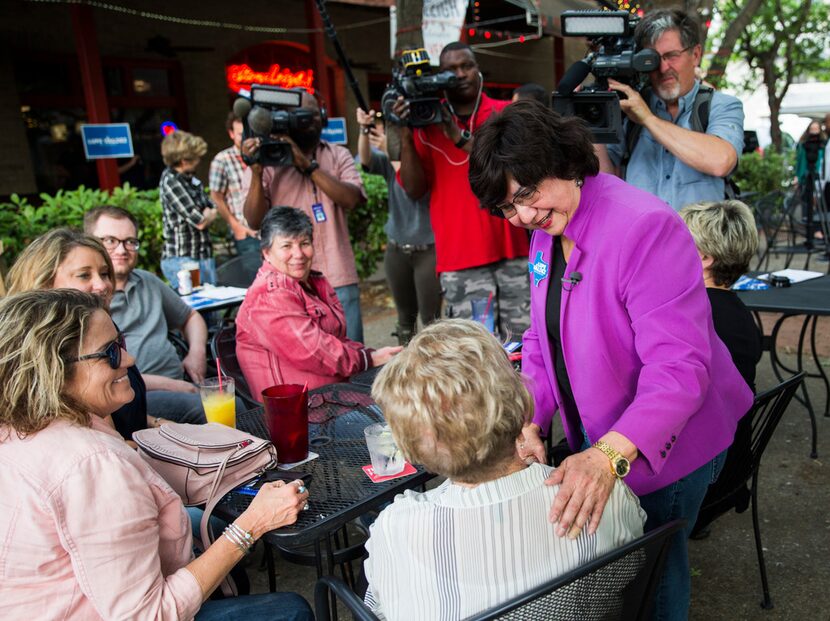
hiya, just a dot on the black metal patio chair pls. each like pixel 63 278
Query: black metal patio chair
pixel 223 347
pixel 619 585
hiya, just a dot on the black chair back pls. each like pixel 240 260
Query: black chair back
pixel 619 585
pixel 223 347
pixel 239 271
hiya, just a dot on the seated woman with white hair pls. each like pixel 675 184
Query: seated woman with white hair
pixel 726 237
pixel 456 406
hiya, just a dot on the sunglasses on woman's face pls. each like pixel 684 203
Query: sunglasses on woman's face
pixel 112 353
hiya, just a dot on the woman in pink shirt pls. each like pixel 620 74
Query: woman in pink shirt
pixel 291 328
pixel 89 530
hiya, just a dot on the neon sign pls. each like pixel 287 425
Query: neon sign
pixel 242 76
pixel 168 127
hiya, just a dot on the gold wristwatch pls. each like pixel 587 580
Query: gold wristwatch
pixel 620 466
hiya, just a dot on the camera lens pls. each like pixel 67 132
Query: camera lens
pixel 424 113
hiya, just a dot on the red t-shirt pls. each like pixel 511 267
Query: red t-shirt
pixel 465 235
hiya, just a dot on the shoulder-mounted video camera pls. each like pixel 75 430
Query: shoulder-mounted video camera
pixel 613 55
pixel 272 110
pixel 413 78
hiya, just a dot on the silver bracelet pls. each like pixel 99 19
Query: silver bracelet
pixel 242 539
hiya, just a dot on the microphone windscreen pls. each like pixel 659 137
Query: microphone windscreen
pixel 241 107
pixel 259 120
pixel 573 77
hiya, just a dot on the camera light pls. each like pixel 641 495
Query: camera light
pixel 594 23
pixel 275 96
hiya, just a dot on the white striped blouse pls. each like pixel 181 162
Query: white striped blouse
pixel 454 551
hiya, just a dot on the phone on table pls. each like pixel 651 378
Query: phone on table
pixel 252 487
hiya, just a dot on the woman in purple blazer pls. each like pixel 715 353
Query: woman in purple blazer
pixel 621 340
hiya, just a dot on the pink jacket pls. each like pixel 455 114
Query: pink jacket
pixel 89 531
pixel 637 335
pixel 287 335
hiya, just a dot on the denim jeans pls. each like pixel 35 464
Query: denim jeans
pixel 680 500
pixel 170 268
pixel 180 407
pixel 349 296
pixel 261 607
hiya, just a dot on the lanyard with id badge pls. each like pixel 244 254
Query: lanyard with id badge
pixel 317 207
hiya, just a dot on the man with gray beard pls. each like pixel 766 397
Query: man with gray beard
pixel 671 158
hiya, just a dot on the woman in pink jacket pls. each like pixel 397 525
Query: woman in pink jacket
pixel 89 530
pixel 291 328
pixel 621 341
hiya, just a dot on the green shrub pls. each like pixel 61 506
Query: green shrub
pixel 366 224
pixel 764 173
pixel 21 221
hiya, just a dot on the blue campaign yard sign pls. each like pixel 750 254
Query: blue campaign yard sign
pixel 107 140
pixel 335 131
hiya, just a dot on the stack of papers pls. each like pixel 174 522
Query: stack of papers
pixel 795 276
pixel 221 293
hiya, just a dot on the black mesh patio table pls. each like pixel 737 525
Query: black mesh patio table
pixel 340 491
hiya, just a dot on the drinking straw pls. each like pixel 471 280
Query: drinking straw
pixel 305 388
pixel 219 372
pixel 489 301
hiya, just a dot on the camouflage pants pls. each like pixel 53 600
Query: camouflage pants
pixel 506 279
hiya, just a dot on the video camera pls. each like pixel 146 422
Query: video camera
pixel 419 88
pixel 272 110
pixel 612 55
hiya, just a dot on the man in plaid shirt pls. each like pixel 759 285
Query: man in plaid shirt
pixel 226 171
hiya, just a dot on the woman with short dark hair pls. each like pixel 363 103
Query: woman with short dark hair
pixel 291 328
pixel 621 340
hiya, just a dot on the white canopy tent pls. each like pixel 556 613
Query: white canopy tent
pixel 810 99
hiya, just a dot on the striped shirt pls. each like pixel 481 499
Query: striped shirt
pixel 226 172
pixel 183 200
pixel 453 551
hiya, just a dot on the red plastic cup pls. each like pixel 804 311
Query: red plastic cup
pixel 286 414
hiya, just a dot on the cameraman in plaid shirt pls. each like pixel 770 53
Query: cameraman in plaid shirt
pixel 226 171
pixel 186 211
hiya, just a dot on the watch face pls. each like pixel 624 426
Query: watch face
pixel 622 466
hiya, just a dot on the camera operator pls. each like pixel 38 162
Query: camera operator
pixel 324 183
pixel 669 159
pixel 476 254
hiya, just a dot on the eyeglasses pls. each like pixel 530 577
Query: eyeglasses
pixel 523 197
pixel 671 57
pixel 111 243
pixel 112 353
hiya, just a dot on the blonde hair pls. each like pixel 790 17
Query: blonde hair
pixel 37 265
pixel 40 332
pixel 454 402
pixel 178 146
pixel 725 231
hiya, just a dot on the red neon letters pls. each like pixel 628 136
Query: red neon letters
pixel 242 76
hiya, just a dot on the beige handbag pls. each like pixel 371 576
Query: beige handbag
pixel 202 463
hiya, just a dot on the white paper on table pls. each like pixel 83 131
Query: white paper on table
pixel 795 276
pixel 222 293
pixel 311 455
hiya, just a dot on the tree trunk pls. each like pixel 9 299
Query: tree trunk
pixel 408 36
pixel 773 99
pixel 730 38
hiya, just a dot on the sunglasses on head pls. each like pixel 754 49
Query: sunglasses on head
pixel 112 353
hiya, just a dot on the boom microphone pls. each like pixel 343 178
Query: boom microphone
pixel 573 77
pixel 241 107
pixel 259 120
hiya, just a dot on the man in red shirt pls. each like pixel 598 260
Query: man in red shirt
pixel 476 253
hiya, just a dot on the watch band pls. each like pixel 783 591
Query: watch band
pixel 311 168
pixel 615 457
pixel 465 138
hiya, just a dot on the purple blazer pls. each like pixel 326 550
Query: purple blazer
pixel 637 336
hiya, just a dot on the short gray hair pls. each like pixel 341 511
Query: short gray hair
pixel 284 222
pixel 725 231
pixel 454 402
pixel 655 23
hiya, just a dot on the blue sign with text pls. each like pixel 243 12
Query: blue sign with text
pixel 107 140
pixel 335 131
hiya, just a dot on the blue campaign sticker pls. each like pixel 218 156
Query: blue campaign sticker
pixel 107 140
pixel 539 269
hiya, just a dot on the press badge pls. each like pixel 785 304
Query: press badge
pixel 319 212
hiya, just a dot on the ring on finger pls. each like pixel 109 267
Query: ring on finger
pixel 301 489
pixel 305 507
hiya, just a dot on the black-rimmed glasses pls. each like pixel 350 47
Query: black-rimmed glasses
pixel 111 243
pixel 523 197
pixel 671 57
pixel 112 353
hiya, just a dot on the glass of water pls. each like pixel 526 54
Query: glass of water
pixel 387 459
